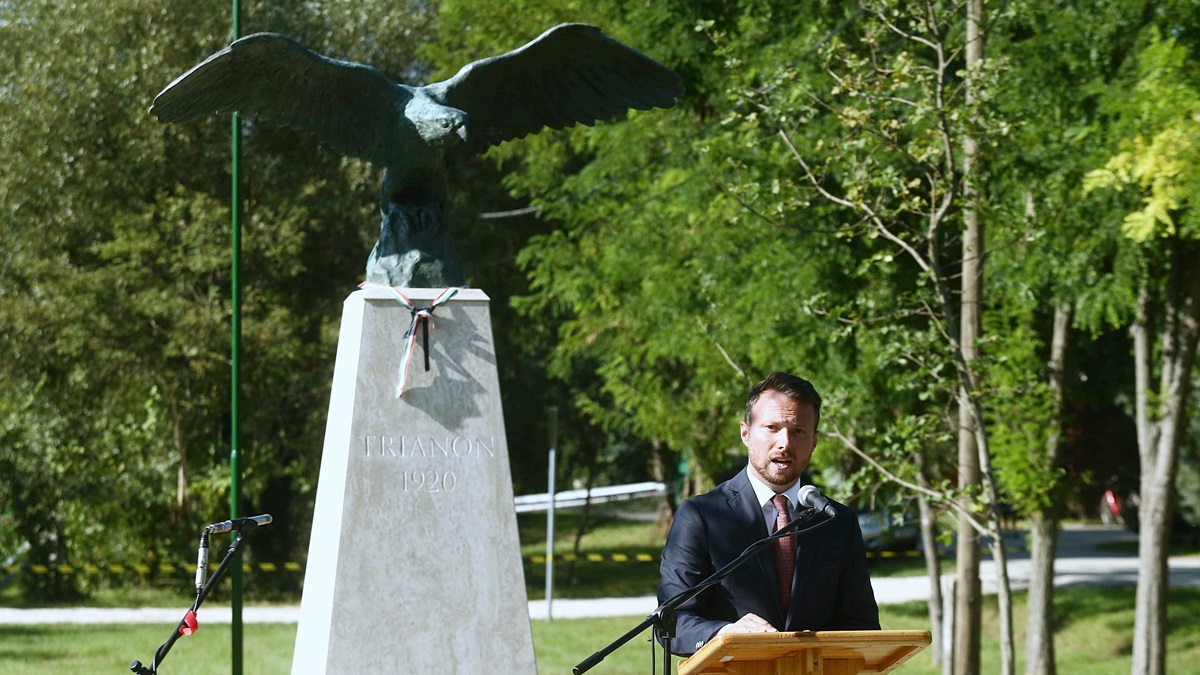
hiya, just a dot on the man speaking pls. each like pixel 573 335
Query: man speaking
pixel 813 581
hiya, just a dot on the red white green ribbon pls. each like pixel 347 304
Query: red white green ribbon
pixel 421 317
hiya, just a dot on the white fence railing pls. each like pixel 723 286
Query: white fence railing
pixel 597 495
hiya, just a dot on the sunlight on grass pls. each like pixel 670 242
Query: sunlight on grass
pixel 1094 638
pixel 85 650
pixel 606 537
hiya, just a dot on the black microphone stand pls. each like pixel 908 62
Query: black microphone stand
pixel 201 594
pixel 663 619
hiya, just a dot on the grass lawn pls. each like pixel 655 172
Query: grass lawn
pixel 1094 639
pixel 613 544
pixel 75 650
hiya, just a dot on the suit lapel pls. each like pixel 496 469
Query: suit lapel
pixel 744 502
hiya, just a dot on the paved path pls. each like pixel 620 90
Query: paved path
pixel 1080 561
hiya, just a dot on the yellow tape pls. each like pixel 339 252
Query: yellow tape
pixel 166 569
pixel 169 569
pixel 594 557
pixel 893 554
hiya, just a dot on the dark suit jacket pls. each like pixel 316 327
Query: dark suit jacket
pixel 831 589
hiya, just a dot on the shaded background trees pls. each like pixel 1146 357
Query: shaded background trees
pixel 643 274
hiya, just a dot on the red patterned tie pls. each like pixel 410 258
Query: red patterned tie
pixel 785 551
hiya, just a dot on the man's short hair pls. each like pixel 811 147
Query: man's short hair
pixel 796 388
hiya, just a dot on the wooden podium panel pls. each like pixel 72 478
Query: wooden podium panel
pixel 821 653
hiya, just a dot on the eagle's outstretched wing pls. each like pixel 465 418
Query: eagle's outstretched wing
pixel 273 79
pixel 572 73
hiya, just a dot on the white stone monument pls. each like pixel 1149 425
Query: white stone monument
pixel 414 564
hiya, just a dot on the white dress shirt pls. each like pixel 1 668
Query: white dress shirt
pixel 766 494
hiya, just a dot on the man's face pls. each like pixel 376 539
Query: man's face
pixel 780 438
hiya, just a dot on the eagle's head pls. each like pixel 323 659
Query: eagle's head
pixel 438 125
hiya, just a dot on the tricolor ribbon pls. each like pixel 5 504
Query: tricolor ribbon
pixel 421 317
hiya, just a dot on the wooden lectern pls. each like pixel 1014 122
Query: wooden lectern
pixel 846 652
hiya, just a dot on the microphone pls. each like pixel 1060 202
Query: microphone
pixel 242 525
pixel 202 562
pixel 812 498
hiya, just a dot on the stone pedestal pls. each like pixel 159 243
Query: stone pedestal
pixel 414 564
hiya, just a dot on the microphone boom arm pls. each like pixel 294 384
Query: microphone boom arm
pixel 201 593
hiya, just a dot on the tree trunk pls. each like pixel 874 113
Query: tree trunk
pixel 665 514
pixel 1008 655
pixel 181 473
pixel 583 521
pixel 1044 524
pixel 1158 444
pixel 996 532
pixel 1150 614
pixel 968 594
pixel 1147 625
pixel 934 572
pixel 932 562
pixel 1039 628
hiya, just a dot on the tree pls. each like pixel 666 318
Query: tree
pixel 973 455
pixel 764 168
pixel 1062 59
pixel 898 165
pixel 115 283
pixel 1158 125
pixel 608 304
pixel 73 140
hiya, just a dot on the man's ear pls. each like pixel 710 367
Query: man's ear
pixel 745 432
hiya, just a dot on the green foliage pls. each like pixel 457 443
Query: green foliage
pixel 799 209
pixel 1022 417
pixel 705 246
pixel 688 264
pixel 114 287
pixel 87 421
pixel 1160 150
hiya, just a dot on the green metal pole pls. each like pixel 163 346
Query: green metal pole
pixel 235 474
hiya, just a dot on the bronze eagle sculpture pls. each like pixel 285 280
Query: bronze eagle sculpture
pixel 570 74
